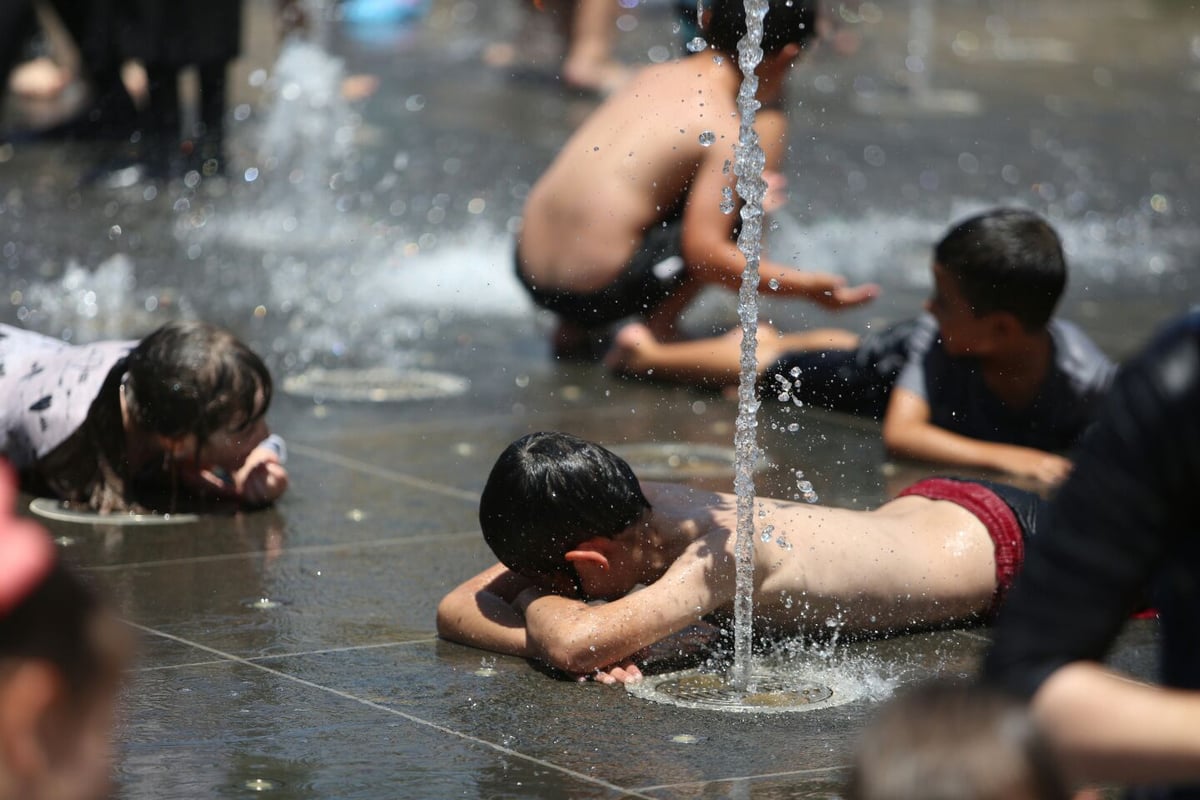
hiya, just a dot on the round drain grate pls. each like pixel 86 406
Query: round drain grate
pixel 769 693
pixel 374 385
pixel 655 460
pixel 50 508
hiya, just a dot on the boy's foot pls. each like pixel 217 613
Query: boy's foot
pixel 630 350
pixel 600 77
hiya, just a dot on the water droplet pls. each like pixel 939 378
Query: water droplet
pixel 697 45
pixel 356 515
pixel 264 604
pixel 260 785
pixel 793 427
pixel 774 284
pixel 686 738
pixel 727 200
pixel 707 138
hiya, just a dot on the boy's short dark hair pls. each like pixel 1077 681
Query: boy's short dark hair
pixel 945 740
pixel 787 22
pixel 547 493
pixel 1007 259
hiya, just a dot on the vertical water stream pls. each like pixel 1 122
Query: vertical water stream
pixel 749 161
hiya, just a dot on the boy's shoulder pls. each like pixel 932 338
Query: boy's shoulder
pixel 1078 358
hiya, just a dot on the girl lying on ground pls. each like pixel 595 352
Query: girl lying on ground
pixel 127 425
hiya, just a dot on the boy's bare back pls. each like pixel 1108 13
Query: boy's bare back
pixel 862 569
pixel 631 163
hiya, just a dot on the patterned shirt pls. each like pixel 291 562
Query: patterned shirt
pixel 46 389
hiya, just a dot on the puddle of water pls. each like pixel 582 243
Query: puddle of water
pixel 374 385
pixel 659 460
pixel 59 511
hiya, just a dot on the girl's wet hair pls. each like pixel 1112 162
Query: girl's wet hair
pixel 547 493
pixel 195 378
pixel 184 378
pixel 787 22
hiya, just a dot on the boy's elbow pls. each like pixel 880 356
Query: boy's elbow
pixel 449 619
pixel 566 651
pixel 571 659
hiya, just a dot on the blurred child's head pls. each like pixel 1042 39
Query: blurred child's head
pixel 1003 262
pixel 200 387
pixel 947 741
pixel 787 22
pixel 62 653
pixel 547 493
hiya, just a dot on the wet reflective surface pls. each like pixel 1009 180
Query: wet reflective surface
pixel 291 652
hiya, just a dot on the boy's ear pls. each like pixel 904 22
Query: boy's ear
pixel 28 697
pixel 593 551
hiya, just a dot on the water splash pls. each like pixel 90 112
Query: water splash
pixel 748 167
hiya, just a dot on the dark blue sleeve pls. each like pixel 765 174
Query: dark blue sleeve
pixel 1132 495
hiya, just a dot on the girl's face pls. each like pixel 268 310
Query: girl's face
pixel 229 447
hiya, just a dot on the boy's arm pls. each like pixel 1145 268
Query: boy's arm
pixel 579 638
pixel 713 256
pixel 908 432
pixel 1108 727
pixel 481 612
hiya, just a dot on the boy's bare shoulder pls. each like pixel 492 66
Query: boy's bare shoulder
pixel 685 89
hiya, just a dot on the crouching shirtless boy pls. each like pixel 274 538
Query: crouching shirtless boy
pixel 570 523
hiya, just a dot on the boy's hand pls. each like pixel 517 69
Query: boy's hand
pixel 832 292
pixel 1048 468
pixel 618 674
pixel 261 479
pixel 776 194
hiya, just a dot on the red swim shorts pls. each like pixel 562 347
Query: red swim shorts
pixel 995 514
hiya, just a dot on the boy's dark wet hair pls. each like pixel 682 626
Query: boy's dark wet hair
pixel 1008 260
pixel 547 493
pixel 787 22
pixel 950 741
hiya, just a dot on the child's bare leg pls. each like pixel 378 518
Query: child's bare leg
pixel 589 63
pixel 712 361
pixel 817 339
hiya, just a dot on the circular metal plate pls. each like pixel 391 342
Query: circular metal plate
pixel 657 460
pixel 50 508
pixel 770 692
pixel 374 385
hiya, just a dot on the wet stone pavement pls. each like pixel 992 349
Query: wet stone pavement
pixel 291 652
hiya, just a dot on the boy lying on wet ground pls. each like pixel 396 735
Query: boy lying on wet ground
pixel 570 523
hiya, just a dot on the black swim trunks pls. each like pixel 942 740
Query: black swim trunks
pixel 855 381
pixel 654 273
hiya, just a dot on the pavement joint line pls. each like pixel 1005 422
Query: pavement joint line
pixel 488 420
pixel 301 550
pixel 382 472
pixel 325 651
pixel 763 776
pixel 397 713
